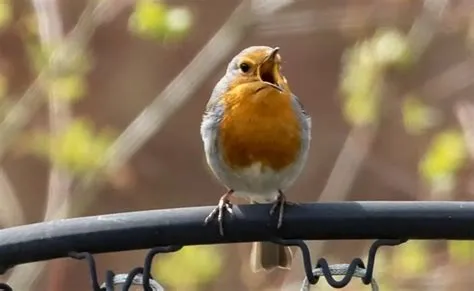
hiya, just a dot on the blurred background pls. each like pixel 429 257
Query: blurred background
pixel 101 104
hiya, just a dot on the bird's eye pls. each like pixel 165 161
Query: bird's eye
pixel 244 67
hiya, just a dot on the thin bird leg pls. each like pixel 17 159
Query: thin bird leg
pixel 223 206
pixel 280 205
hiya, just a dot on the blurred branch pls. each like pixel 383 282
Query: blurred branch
pixel 426 25
pixel 68 49
pixel 304 21
pixel 394 177
pixel 11 211
pixel 451 81
pixel 51 35
pixel 354 151
pixel 21 113
pixel 464 111
pixel 360 140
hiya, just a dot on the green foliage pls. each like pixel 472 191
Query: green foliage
pixel 38 59
pixel 68 80
pixel 154 20
pixel 363 68
pixel 79 148
pixel 6 13
pixel 202 264
pixel 461 252
pixel 417 116
pixel 360 85
pixel 411 258
pixel 391 48
pixel 69 88
pixel 445 155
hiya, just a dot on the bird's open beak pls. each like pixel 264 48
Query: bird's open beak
pixel 268 71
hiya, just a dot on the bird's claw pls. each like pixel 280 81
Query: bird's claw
pixel 280 205
pixel 223 206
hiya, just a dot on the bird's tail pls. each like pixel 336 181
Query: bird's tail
pixel 267 256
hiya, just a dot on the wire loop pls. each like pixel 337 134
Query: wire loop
pixel 92 268
pixel 149 260
pixel 5 287
pixel 355 269
pixel 137 276
pixel 337 270
pixel 142 275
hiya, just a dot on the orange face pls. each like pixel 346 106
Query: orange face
pixel 259 68
pixel 259 124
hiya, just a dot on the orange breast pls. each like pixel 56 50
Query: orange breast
pixel 259 128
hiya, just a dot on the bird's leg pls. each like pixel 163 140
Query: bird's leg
pixel 223 206
pixel 280 205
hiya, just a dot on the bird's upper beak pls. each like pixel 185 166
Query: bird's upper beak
pixel 268 71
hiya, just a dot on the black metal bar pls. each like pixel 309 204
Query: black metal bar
pixel 184 226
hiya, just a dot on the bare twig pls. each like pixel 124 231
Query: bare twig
pixel 426 25
pixel 305 21
pixel 354 151
pixel 451 81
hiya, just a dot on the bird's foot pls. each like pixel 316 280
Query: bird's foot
pixel 280 205
pixel 222 207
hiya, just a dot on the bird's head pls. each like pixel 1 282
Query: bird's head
pixel 258 68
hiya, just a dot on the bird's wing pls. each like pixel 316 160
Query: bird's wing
pixel 306 118
pixel 212 117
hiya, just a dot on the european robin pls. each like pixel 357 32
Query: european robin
pixel 256 138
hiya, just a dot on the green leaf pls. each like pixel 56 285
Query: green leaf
pixel 417 116
pixel 445 155
pixel 69 88
pixel 79 148
pixel 149 19
pixel 6 13
pixel 202 264
pixel 391 48
pixel 461 252
pixel 178 22
pixel 360 85
pixel 411 258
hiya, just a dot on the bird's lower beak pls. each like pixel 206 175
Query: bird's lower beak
pixel 268 70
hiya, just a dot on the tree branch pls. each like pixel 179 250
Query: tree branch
pixel 21 113
pixel 69 48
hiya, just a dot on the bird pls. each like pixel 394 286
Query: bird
pixel 256 136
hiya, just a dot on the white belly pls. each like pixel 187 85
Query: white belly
pixel 259 183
